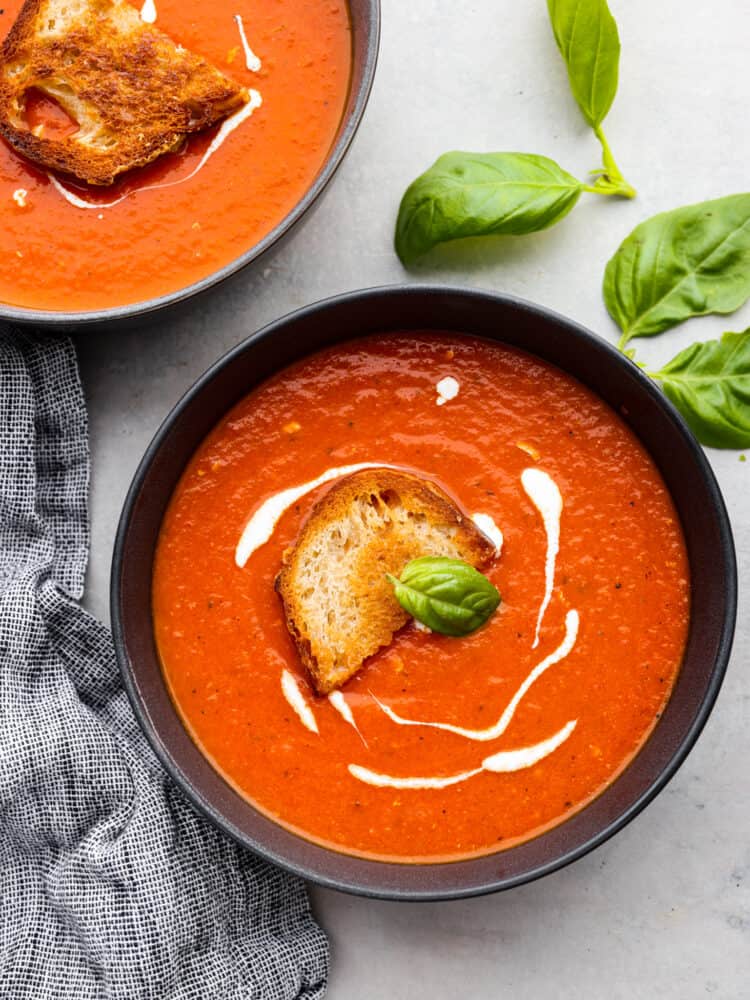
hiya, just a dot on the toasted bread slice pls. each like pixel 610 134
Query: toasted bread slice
pixel 134 93
pixel 339 606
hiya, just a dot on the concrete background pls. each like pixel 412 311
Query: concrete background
pixel 663 911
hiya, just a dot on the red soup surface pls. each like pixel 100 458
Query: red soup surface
pixel 612 637
pixel 59 256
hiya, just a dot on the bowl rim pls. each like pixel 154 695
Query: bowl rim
pixel 148 308
pixel 500 883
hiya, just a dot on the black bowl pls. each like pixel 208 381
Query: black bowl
pixel 365 23
pixel 559 341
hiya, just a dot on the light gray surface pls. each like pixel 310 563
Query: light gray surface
pixel 664 909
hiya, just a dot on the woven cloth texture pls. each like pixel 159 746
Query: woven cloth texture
pixel 111 885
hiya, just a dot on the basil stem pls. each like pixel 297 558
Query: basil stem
pixel 589 42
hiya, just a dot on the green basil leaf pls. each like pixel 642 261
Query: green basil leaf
pixel 587 36
pixel 482 194
pixel 709 383
pixel 687 262
pixel 447 595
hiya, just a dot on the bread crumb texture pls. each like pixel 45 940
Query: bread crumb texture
pixel 340 608
pixel 132 93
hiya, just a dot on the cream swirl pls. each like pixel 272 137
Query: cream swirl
pixel 500 763
pixel 572 622
pixel 293 693
pixel 261 526
pixel 543 492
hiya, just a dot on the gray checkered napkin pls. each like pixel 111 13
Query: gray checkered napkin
pixel 111 886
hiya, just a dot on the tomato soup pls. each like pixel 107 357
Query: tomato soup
pixel 159 229
pixel 439 747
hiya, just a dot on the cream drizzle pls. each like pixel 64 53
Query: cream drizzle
pixel 148 12
pixel 546 497
pixel 516 760
pixel 231 123
pixel 488 527
pixel 252 62
pixel 262 524
pixel 388 781
pixel 544 494
pixel 341 705
pixel 293 694
pixel 572 622
pixel 500 763
pixel 447 389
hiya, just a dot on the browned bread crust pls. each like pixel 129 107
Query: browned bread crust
pixel 134 93
pixel 339 606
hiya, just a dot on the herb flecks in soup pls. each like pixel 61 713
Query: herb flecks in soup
pixel 439 747
pixel 180 219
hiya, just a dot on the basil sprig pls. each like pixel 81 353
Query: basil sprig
pixel 688 262
pixel 482 194
pixel 589 42
pixel 676 265
pixel 447 595
pixel 709 383
pixel 513 194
